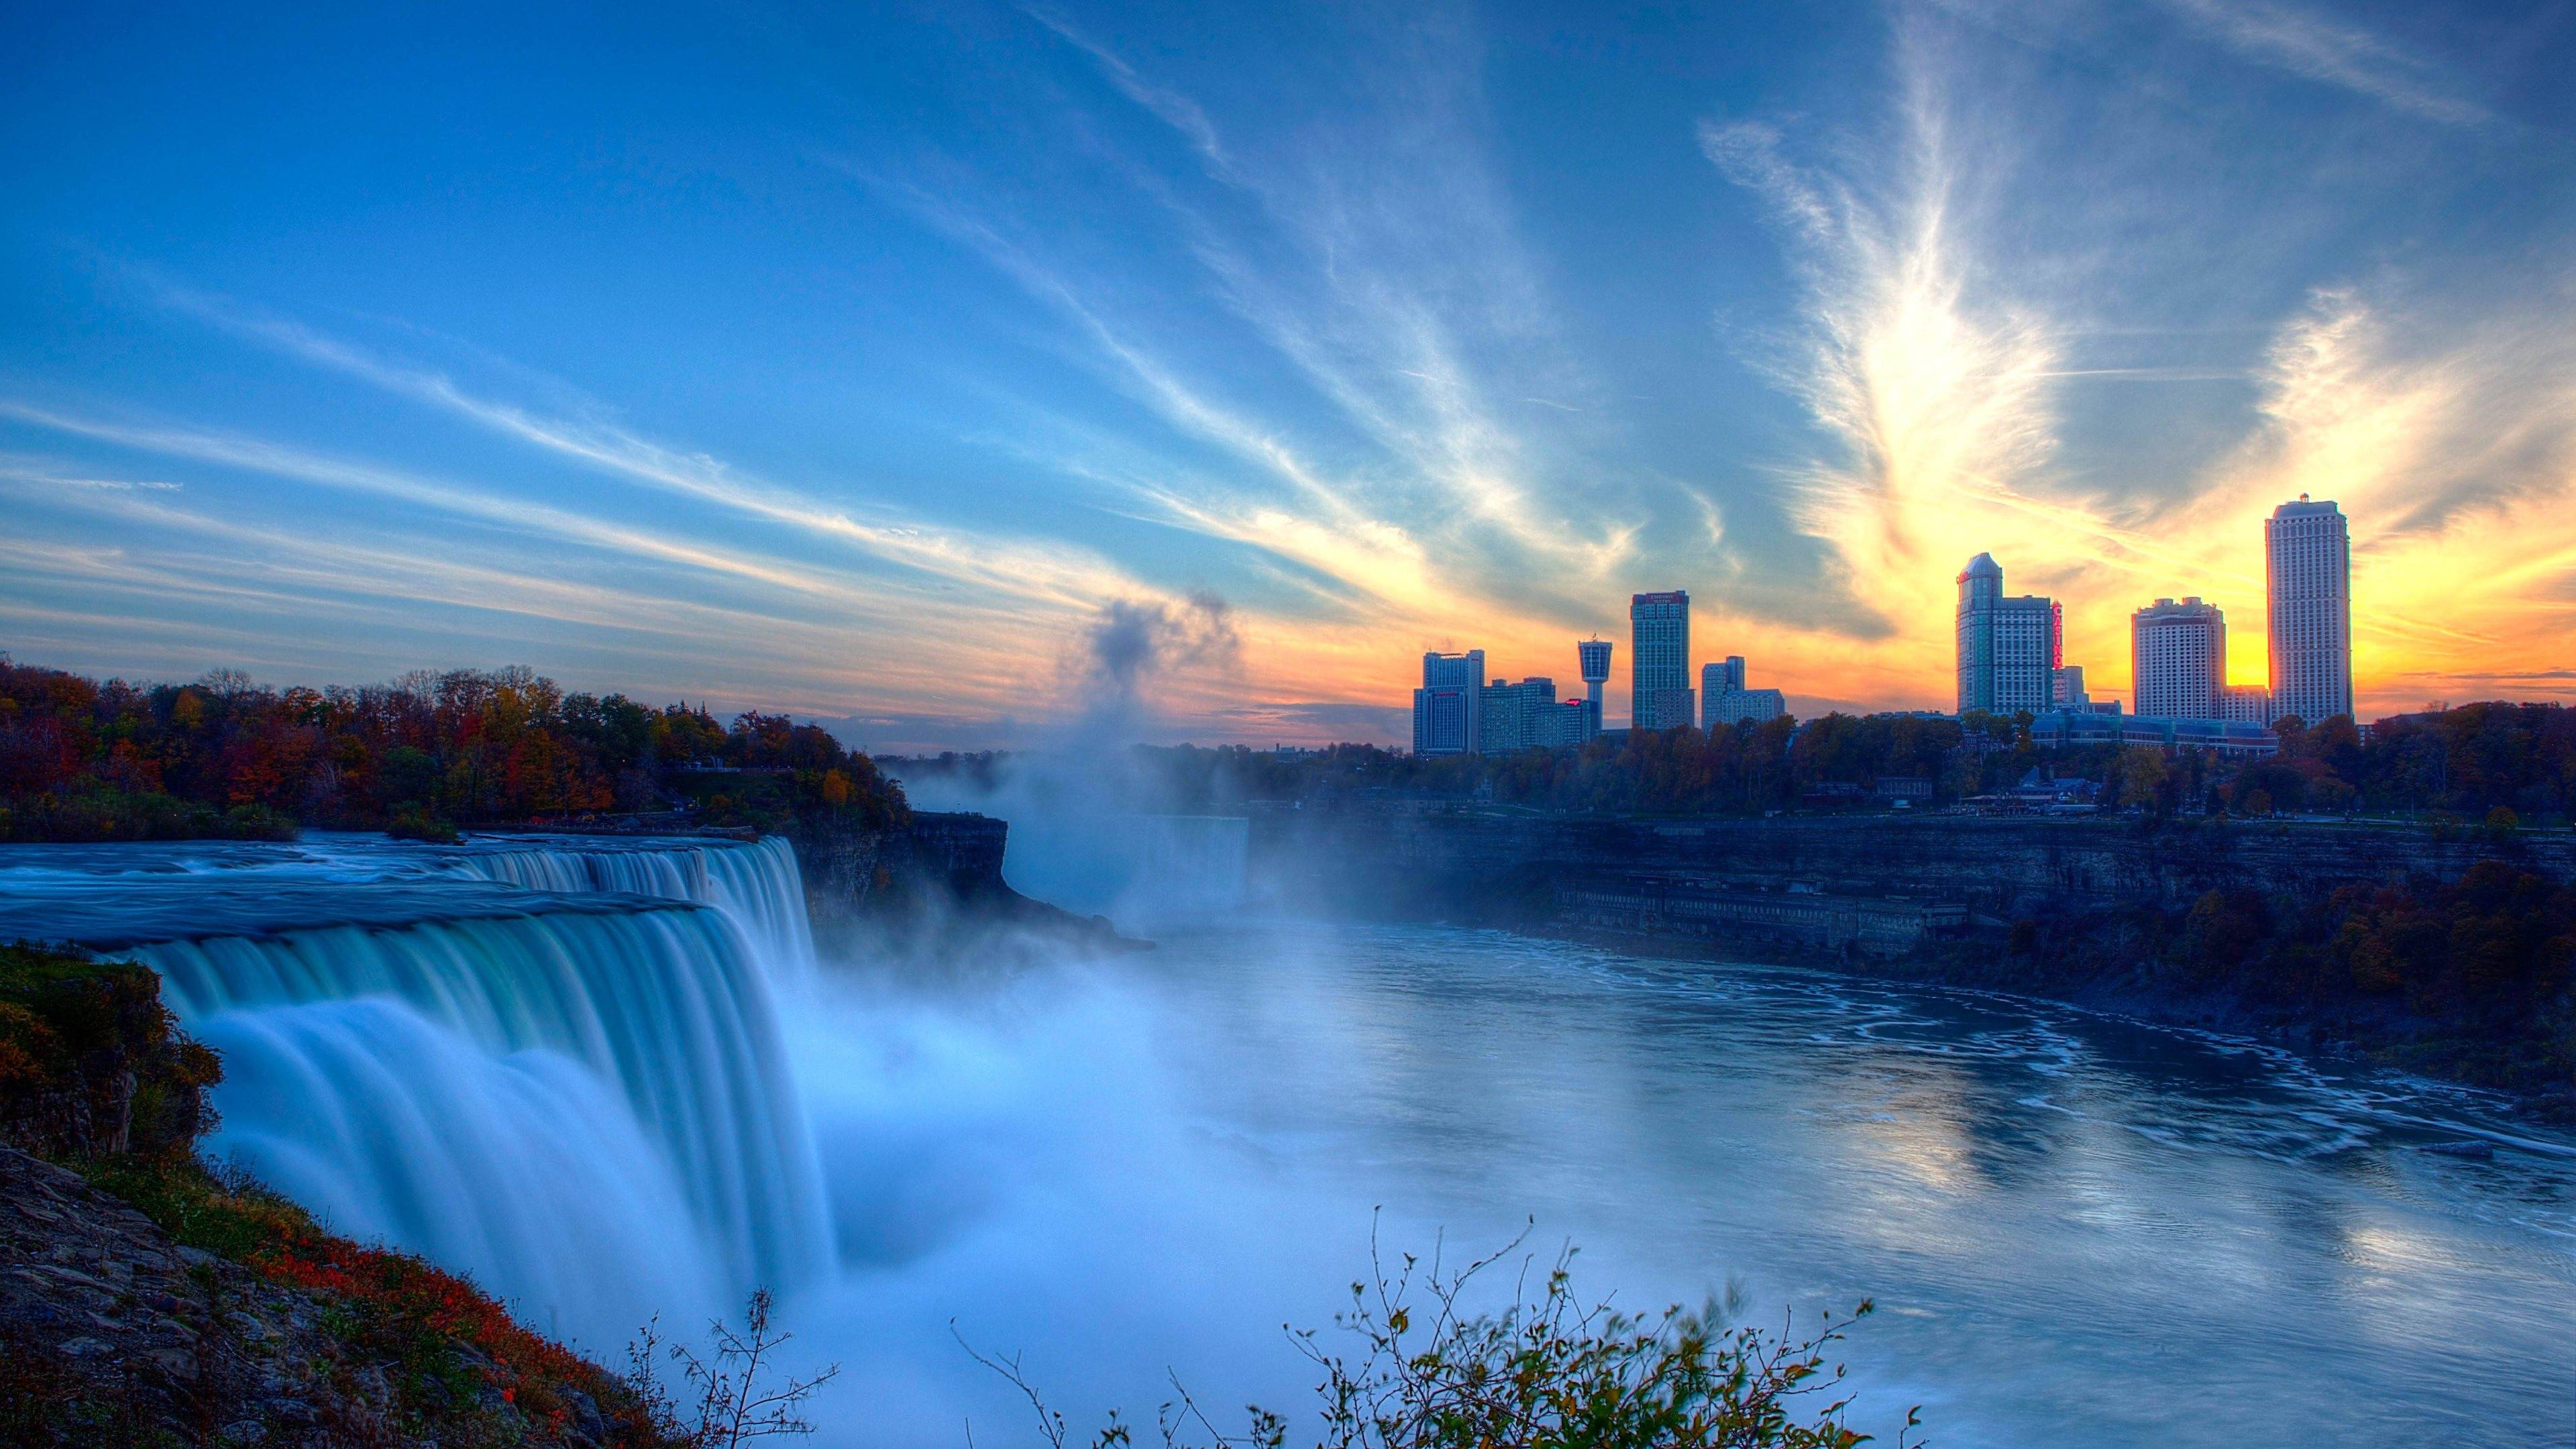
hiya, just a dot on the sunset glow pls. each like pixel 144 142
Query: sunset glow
pixel 1300 347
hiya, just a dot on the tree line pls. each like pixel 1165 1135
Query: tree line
pixel 2469 762
pixel 86 760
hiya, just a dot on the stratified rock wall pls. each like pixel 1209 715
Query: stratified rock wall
pixel 1504 869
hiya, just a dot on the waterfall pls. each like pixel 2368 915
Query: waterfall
pixel 522 1171
pixel 757 884
pixel 661 1002
pixel 552 1063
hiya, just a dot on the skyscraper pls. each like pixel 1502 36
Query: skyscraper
pixel 1448 713
pixel 2009 648
pixel 1660 693
pixel 2178 660
pixel 2307 558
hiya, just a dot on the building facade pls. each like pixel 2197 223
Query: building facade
pixel 2009 648
pixel 2073 728
pixel 1660 694
pixel 2178 660
pixel 2066 687
pixel 1448 710
pixel 2307 569
pixel 2245 704
pixel 1515 716
pixel 1566 723
pixel 1725 702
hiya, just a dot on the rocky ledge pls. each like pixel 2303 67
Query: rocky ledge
pixel 114 1334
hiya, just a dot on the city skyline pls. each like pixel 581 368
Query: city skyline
pixel 1012 374
pixel 2007 653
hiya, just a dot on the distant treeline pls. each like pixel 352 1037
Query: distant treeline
pixel 2470 762
pixel 81 760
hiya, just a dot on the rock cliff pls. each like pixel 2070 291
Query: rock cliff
pixel 1506 869
pixel 931 888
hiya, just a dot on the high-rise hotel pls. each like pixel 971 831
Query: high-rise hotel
pixel 2009 648
pixel 1660 694
pixel 1448 710
pixel 2307 556
pixel 2178 660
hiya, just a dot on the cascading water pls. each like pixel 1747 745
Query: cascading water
pixel 524 1170
pixel 756 884
pixel 552 1063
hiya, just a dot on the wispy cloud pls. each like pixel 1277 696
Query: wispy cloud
pixel 2456 459
pixel 1173 108
pixel 1393 287
pixel 1052 573
pixel 2333 52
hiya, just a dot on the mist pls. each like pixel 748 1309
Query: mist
pixel 1095 826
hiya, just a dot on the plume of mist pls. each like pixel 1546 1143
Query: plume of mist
pixel 1135 644
pixel 1087 809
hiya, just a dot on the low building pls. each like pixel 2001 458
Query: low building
pixel 2069 729
pixel 2245 704
pixel 1565 724
pixel 1726 703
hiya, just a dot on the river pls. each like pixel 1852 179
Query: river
pixel 2076 1230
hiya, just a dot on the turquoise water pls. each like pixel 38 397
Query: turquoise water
pixel 609 1079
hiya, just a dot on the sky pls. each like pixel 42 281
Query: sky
pixel 967 374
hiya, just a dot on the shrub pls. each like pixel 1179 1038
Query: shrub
pixel 1539 1373
pixel 421 825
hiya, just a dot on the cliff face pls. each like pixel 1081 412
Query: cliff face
pixel 930 888
pixel 2457 963
pixel 89 1062
pixel 871 872
pixel 1504 869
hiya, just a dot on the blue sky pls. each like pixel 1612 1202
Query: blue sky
pixel 969 372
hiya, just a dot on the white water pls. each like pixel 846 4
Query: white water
pixel 552 1063
pixel 606 1104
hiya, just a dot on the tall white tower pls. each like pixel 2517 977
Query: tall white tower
pixel 2307 558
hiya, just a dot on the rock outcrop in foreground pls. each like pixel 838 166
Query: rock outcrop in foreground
pixel 113 1333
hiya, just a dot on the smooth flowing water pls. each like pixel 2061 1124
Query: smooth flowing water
pixel 607 1088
